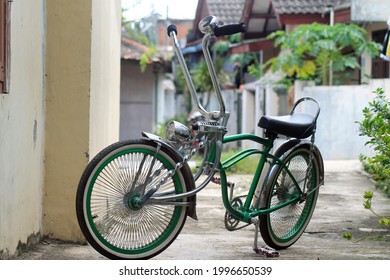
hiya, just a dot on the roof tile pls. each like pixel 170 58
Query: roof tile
pixel 307 6
pixel 228 11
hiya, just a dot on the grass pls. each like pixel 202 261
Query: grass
pixel 245 166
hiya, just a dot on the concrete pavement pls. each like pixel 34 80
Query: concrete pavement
pixel 339 209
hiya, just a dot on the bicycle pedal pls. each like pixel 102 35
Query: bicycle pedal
pixel 216 180
pixel 266 251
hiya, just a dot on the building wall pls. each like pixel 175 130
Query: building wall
pixel 105 75
pixel 68 81
pixel 369 11
pixel 22 130
pixel 183 27
pixel 366 60
pixel 82 93
pixel 138 90
pixel 341 106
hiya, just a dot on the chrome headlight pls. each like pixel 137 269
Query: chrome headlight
pixel 177 132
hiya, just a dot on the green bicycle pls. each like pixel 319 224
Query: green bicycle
pixel 135 195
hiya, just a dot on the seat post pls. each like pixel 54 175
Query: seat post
pixel 271 134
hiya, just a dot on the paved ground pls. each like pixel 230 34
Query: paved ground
pixel 339 209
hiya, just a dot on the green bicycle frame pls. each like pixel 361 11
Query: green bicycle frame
pixel 247 212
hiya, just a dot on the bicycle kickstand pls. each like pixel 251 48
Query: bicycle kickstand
pixel 263 250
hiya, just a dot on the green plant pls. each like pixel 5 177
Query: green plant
pixel 147 58
pixel 384 221
pixel 134 30
pixel 376 126
pixel 309 50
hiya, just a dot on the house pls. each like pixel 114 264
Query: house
pixel 59 105
pixel 266 16
pixel 148 98
pixel 138 90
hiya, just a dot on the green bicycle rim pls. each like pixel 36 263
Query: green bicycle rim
pixel 304 216
pixel 171 226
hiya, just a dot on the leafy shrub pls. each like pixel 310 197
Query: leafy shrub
pixel 307 51
pixel 376 126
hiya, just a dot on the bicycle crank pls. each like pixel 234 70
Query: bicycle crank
pixel 231 222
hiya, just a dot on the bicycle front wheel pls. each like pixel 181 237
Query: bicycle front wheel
pixel 283 227
pixel 108 216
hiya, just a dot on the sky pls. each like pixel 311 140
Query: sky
pixel 177 9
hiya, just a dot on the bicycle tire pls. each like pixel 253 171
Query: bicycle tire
pixel 106 188
pixel 283 227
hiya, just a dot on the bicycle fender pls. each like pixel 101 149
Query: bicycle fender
pixel 191 210
pixel 158 139
pixel 291 144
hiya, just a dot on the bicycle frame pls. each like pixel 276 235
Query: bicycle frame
pixel 248 213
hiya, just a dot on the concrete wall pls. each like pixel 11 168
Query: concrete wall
pixel 82 89
pixel 369 11
pixel 341 106
pixel 105 74
pixel 22 130
pixel 68 81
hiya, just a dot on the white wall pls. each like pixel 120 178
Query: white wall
pixel 82 101
pixel 248 111
pixel 341 106
pixel 369 11
pixel 22 130
pixel 105 74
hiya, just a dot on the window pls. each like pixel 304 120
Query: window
pixel 380 67
pixel 5 7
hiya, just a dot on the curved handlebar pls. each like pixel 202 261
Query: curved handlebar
pixel 210 26
pixel 230 29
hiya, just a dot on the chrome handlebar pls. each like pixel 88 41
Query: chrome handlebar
pixel 210 26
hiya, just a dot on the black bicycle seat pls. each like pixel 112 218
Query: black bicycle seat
pixel 297 125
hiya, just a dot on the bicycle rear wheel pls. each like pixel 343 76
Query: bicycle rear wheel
pixel 111 222
pixel 283 227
